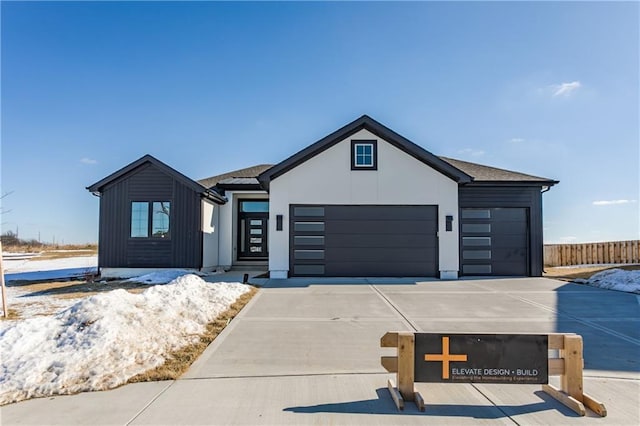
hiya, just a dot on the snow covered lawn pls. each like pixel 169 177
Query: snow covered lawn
pixel 615 279
pixel 32 269
pixel 102 340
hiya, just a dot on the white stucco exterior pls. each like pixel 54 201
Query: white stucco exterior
pixel 327 178
pixel 210 235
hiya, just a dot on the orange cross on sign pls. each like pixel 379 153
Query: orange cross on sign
pixel 445 357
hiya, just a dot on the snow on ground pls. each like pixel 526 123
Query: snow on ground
pixel 162 277
pixel 29 269
pixel 615 279
pixel 35 265
pixel 103 340
pixel 33 270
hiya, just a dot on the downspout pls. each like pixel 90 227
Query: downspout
pixel 97 194
pixel 202 204
pixel 544 189
pixel 216 214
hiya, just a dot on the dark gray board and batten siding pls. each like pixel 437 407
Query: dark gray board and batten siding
pixel 183 249
pixel 529 197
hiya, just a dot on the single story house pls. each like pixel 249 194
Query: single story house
pixel 362 201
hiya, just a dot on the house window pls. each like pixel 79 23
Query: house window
pixel 258 206
pixel 364 155
pixel 139 219
pixel 150 219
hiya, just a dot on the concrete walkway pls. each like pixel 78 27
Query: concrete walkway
pixel 307 352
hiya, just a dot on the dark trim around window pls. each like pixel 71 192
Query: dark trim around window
pixel 150 221
pixel 374 144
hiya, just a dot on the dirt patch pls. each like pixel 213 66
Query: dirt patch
pixel 30 299
pixel 12 314
pixel 55 250
pixel 570 273
pixel 63 254
pixel 179 361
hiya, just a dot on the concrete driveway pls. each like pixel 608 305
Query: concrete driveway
pixel 307 352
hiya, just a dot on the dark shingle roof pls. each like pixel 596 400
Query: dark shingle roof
pixel 481 173
pixel 241 176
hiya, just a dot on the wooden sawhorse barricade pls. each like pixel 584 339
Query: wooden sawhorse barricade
pixel 568 365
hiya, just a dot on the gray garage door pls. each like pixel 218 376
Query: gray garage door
pixel 494 241
pixel 344 241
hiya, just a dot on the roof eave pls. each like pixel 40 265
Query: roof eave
pixel 214 196
pixel 222 188
pixel 97 187
pixel 513 183
pixel 380 130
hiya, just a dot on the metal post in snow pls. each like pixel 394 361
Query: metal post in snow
pixel 4 291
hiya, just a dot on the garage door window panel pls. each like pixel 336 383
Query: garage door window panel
pixel 309 211
pixel 308 240
pixel 476 227
pixel 308 270
pixel 476 241
pixel 308 254
pixel 476 269
pixel 476 254
pixel 309 226
pixel 476 214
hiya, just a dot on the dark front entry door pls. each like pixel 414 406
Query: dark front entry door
pixel 253 219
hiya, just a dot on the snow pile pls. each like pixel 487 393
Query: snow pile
pixel 615 279
pixel 160 277
pixel 103 340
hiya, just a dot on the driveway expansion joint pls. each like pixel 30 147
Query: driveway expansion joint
pixel 154 399
pixel 473 385
pixel 389 303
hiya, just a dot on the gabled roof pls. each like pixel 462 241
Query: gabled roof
pixel 148 159
pixel 368 123
pixel 488 174
pixel 245 176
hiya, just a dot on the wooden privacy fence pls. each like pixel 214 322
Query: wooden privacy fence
pixel 592 253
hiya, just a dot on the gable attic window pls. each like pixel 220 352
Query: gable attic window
pixel 150 219
pixel 364 155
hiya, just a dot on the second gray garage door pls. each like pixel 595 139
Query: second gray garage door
pixel 363 240
pixel 494 241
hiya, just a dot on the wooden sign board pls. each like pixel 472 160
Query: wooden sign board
pixel 481 358
pixel 487 358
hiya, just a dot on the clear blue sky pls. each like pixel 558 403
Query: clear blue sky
pixel 545 88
